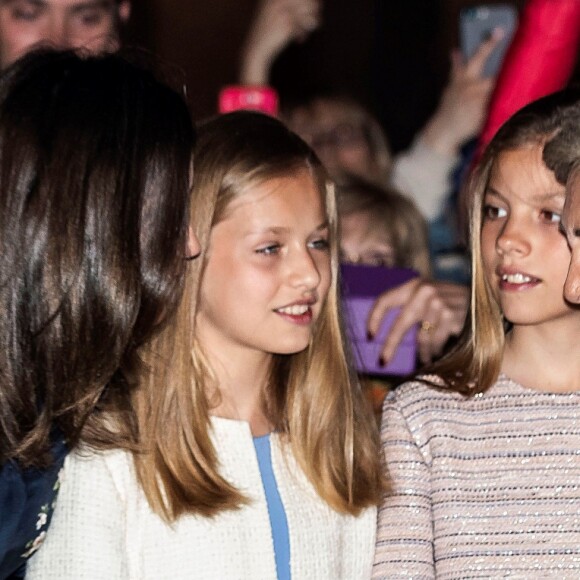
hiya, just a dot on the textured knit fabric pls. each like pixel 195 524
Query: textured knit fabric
pixel 278 521
pixel 482 487
pixel 103 527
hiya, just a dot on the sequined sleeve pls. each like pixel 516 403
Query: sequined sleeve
pixel 404 547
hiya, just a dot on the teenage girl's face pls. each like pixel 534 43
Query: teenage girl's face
pixel 571 227
pixel 363 241
pixel 525 256
pixel 268 270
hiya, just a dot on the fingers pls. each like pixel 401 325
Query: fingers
pixel 390 299
pixel 410 315
pixel 413 311
pixel 474 66
pixel 438 307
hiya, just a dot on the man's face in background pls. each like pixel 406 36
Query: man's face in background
pixel 28 24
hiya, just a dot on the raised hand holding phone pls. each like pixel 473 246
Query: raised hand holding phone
pixel 479 23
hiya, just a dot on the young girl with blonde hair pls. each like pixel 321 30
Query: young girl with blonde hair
pixel 381 227
pixel 482 452
pixel 256 455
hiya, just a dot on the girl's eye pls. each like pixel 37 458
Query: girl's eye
pixel 320 244
pixel 493 212
pixel 385 260
pixel 268 250
pixel 551 216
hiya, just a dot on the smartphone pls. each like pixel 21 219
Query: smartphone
pixel 234 98
pixel 476 24
pixel 361 285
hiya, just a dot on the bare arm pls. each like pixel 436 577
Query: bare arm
pixel 276 24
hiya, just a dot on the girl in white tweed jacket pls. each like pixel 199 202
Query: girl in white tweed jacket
pixel 250 451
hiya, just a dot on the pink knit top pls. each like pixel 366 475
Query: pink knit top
pixel 482 487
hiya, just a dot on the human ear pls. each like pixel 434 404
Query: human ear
pixel 193 247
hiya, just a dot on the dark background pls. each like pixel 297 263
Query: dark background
pixel 391 54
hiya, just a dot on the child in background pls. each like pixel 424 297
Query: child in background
pixel 381 227
pixel 482 452
pixel 257 456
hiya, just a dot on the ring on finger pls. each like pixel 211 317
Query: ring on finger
pixel 427 326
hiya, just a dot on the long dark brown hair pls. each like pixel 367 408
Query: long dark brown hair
pixel 95 158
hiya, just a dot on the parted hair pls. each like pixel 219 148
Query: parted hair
pixel 95 158
pixel 474 364
pixel 313 399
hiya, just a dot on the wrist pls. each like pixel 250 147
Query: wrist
pixel 437 136
pixel 255 68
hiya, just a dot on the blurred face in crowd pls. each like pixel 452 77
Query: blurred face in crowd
pixel 340 135
pixel 89 24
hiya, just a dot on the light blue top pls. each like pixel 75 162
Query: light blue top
pixel 278 521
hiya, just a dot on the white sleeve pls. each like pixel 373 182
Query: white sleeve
pixel 86 538
pixel 425 176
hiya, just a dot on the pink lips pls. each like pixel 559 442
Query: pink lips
pixel 513 280
pixel 300 319
pixel 299 312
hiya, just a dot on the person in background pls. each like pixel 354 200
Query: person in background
pixel 92 25
pixel 257 456
pixel 92 247
pixel 380 227
pixel 424 171
pixel 349 140
pixel 481 449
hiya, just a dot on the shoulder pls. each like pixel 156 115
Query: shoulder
pixel 91 473
pixel 424 391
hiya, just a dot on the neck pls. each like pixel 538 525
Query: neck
pixel 544 358
pixel 241 377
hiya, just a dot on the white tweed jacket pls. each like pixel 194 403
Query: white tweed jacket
pixel 103 527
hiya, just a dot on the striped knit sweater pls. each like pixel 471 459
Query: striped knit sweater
pixel 482 487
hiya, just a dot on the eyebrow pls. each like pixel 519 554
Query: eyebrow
pixel 78 7
pixel 279 230
pixel 539 198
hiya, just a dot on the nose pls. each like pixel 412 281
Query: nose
pixel 58 33
pixel 513 240
pixel 303 271
pixel 572 284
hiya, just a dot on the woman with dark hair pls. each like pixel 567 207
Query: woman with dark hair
pixel 95 170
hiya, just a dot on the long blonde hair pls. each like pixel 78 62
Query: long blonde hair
pixel 313 398
pixel 474 364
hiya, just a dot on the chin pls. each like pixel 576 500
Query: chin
pixel 293 347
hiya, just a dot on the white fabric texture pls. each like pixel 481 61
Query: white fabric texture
pixel 103 527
